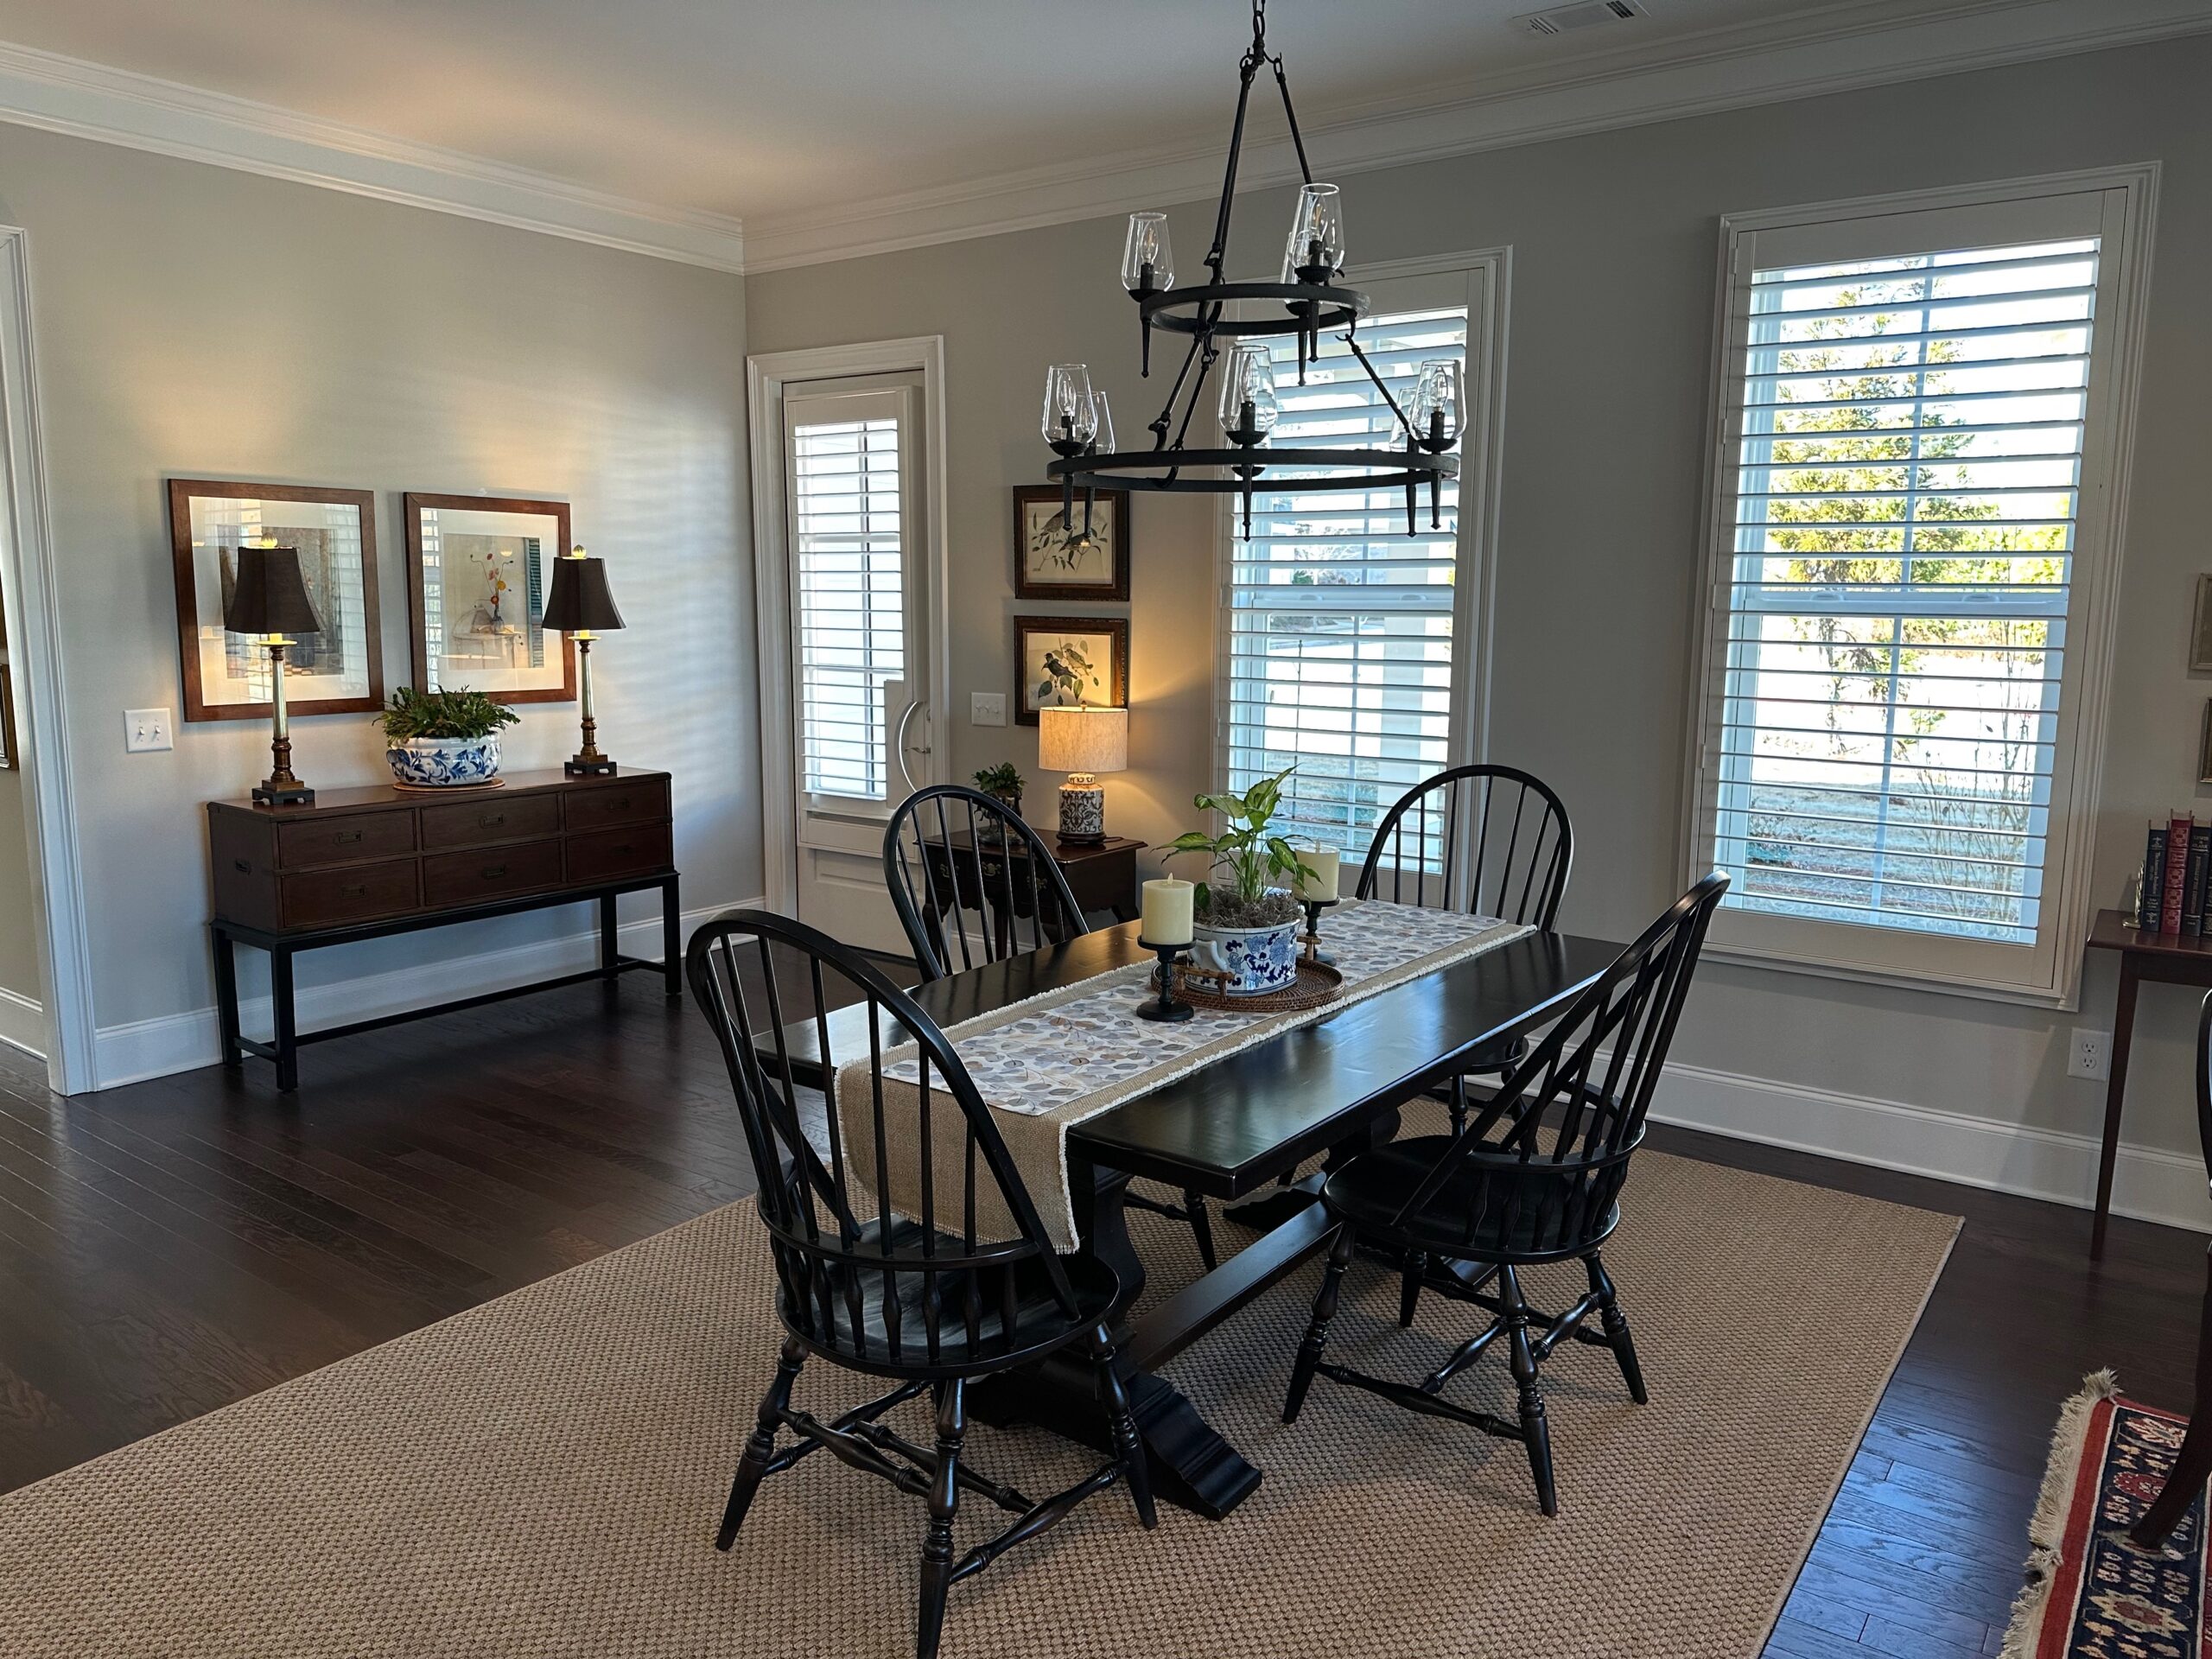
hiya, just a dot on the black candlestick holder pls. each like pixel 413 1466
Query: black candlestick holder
pixel 1312 941
pixel 1169 1006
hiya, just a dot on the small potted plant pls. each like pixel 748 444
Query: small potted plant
pixel 1002 783
pixel 1246 929
pixel 444 739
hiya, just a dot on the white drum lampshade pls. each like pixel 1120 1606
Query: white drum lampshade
pixel 1083 742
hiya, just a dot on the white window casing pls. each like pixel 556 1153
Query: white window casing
pixel 1915 510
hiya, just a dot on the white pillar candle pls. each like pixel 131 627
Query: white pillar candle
pixel 1166 912
pixel 1317 872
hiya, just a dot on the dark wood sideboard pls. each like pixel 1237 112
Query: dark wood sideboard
pixel 364 863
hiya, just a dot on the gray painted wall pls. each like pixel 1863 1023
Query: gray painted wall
pixel 1614 239
pixel 200 322
pixel 19 917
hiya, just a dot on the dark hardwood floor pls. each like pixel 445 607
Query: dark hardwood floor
pixel 170 1247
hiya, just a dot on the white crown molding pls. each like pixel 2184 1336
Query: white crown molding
pixel 89 100
pixel 1832 48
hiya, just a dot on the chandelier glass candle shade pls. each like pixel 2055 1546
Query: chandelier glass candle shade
pixel 1222 318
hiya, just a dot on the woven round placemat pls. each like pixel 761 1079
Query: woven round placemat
pixel 1317 983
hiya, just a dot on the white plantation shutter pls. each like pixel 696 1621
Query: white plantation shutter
pixel 848 585
pixel 1341 628
pixel 1912 479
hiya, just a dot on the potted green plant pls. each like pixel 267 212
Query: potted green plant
pixel 1247 925
pixel 1002 783
pixel 435 740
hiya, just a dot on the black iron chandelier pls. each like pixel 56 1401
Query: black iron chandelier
pixel 1305 301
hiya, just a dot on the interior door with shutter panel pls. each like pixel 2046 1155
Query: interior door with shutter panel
pixel 858 584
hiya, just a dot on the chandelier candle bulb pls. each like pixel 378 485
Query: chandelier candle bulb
pixel 1168 911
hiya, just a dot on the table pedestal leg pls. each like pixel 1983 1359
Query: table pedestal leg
pixel 1192 1467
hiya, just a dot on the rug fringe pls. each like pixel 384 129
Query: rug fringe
pixel 2047 1529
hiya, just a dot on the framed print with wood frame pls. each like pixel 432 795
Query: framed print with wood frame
pixel 10 754
pixel 338 670
pixel 2200 629
pixel 1053 561
pixel 1067 661
pixel 479 568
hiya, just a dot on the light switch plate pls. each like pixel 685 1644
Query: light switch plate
pixel 145 730
pixel 987 708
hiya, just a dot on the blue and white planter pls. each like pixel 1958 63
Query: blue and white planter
pixel 445 762
pixel 1253 960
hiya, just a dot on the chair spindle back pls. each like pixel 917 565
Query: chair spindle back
pixel 1553 1145
pixel 766 983
pixel 972 882
pixel 1489 840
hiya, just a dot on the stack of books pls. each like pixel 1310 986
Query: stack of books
pixel 2177 895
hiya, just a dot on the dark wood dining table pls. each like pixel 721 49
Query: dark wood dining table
pixel 1231 1130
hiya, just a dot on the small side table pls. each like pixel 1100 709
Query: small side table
pixel 2169 958
pixel 1102 876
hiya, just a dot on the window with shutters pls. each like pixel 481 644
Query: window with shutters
pixel 1913 548
pixel 1348 642
pixel 848 586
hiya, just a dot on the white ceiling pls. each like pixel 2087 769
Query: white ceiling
pixel 750 108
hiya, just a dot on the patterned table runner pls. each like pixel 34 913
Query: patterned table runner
pixel 1046 1064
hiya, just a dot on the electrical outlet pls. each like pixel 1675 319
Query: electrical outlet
pixel 987 708
pixel 2090 1055
pixel 145 730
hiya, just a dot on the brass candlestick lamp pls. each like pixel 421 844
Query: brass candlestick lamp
pixel 581 607
pixel 269 601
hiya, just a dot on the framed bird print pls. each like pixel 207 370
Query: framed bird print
pixel 1087 560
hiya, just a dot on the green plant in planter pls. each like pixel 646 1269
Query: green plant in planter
pixel 1251 855
pixel 463 713
pixel 1003 781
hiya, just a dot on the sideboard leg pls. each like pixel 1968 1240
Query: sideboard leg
pixel 286 1038
pixel 610 945
pixel 226 998
pixel 671 937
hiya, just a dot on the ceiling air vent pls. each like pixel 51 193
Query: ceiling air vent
pixel 1584 14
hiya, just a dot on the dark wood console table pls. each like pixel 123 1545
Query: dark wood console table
pixel 2172 958
pixel 364 863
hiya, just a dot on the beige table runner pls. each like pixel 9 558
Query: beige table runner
pixel 1046 1064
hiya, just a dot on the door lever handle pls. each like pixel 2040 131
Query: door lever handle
pixel 899 744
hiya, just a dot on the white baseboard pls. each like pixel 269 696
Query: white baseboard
pixel 185 1042
pixel 2148 1184
pixel 22 1022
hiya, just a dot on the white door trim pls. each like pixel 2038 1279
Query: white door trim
pixel 33 617
pixel 767 374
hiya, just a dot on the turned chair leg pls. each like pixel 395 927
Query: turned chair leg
pixel 2193 1465
pixel 760 1445
pixel 1615 1324
pixel 1201 1225
pixel 1411 1275
pixel 1535 1432
pixel 1129 1450
pixel 1317 1333
pixel 945 1498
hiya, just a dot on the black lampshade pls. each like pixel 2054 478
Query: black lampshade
pixel 268 595
pixel 580 598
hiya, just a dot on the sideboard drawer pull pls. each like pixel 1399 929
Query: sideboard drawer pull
pixel 355 890
pixel 491 820
pixel 493 872
pixel 244 866
pixel 347 837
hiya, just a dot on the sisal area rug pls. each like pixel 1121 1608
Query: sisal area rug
pixel 541 1476
pixel 2092 1593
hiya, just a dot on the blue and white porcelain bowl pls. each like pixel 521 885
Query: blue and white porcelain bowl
pixel 445 762
pixel 1253 960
